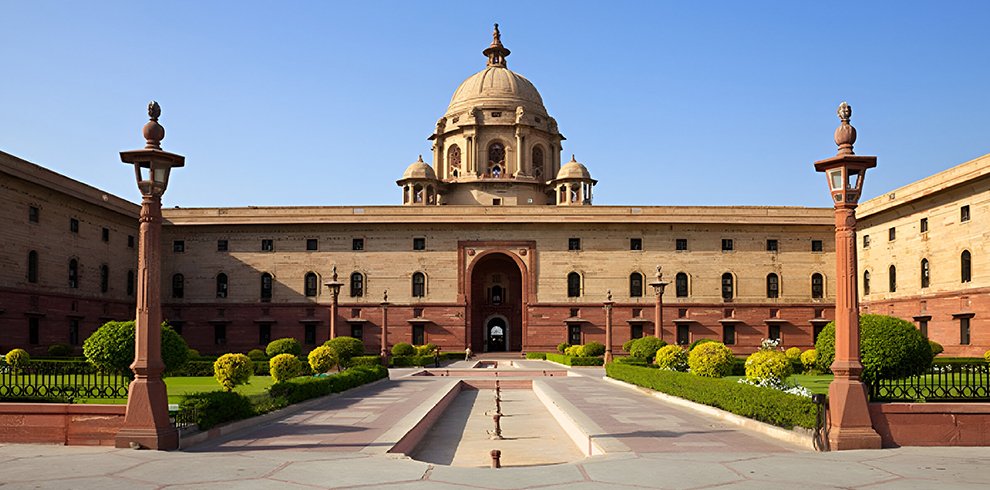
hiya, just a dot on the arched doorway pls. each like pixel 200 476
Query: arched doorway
pixel 496 304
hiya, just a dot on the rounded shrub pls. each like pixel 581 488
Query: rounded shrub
pixel 193 354
pixel 573 351
pixel 257 355
pixel 646 347
pixel 18 359
pixel 111 348
pixel 671 358
pixel 986 356
pixel 711 360
pixel 287 345
pixel 345 348
pixel 284 367
pixel 809 359
pixel 321 359
pixel 697 343
pixel 231 370
pixel 628 344
pixel 425 349
pixel 793 354
pixel 767 364
pixel 936 347
pixel 889 348
pixel 403 349
pixel 592 349
pixel 562 347
pixel 60 350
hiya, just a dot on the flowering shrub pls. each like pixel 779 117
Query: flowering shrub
pixel 284 366
pixel 231 370
pixel 321 359
pixel 671 358
pixel 776 384
pixel 18 359
pixel 769 344
pixel 711 359
pixel 766 364
pixel 573 351
pixel 986 355
pixel 697 343
pixel 808 359
pixel 793 354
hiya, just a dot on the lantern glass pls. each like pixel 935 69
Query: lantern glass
pixel 835 179
pixel 854 179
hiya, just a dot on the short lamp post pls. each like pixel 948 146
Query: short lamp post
pixel 658 287
pixel 608 326
pixel 384 351
pixel 852 427
pixel 334 285
pixel 146 422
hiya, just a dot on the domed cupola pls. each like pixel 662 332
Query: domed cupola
pixel 573 184
pixel 419 184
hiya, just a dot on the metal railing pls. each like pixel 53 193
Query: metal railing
pixel 956 382
pixel 63 381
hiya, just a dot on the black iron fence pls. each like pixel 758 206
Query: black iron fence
pixel 65 381
pixel 955 382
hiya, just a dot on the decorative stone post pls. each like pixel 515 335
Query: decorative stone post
pixel 852 427
pixel 608 326
pixel 334 286
pixel 658 286
pixel 384 351
pixel 146 423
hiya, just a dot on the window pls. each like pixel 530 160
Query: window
pixel 727 289
pixel 418 335
pixel 32 266
pixel 924 225
pixel 924 273
pixel 221 285
pixel 771 245
pixel 268 245
pixel 966 264
pixel 635 244
pixel 178 246
pixel 538 162
pixel 220 334
pixel 683 334
pixel 266 287
pixel 105 234
pixel 496 293
pixel 573 285
pixel 34 325
pixel 891 234
pixel 73 331
pixel 312 244
pixel 74 274
pixel 773 285
pixel 418 285
pixel 33 214
pixel 681 285
pixel 419 243
pixel 680 244
pixel 892 278
pixel 817 286
pixel 726 244
pixel 729 334
pixel 964 213
pixel 636 331
pixel 309 334
pixel 773 332
pixel 866 241
pixel 963 331
pixel 264 333
pixel 310 285
pixel 223 245
pixel 496 201
pixel 357 285
pixel 357 244
pixel 496 155
pixel 816 330
pixel 178 285
pixel 817 246
pixel 130 241
pixel 573 244
pixel 454 160
pixel 635 285
pixel 357 331
pixel 574 334
pixel 130 282
pixel 923 327
pixel 73 225
pixel 866 282
pixel 104 278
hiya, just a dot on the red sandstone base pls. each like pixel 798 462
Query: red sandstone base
pixel 932 424
pixel 59 423
pixel 850 424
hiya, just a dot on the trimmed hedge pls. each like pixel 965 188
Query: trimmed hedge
pixel 632 361
pixel 299 389
pixel 217 407
pixel 205 368
pixel 421 361
pixel 574 360
pixel 766 405
pixel 366 361
pixel 536 355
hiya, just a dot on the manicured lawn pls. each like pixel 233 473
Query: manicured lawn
pixel 178 388
pixel 817 383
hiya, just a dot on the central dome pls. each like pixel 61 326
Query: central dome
pixel 496 85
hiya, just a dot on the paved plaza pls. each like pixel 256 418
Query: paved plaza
pixel 342 441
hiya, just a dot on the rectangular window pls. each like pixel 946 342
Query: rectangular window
pixel 33 331
pixel 178 246
pixel 574 334
pixel 923 327
pixel 816 330
pixel 771 245
pixel 106 234
pixel 635 244
pixel 73 332
pixel 309 334
pixel 726 244
pixel 680 244
pixel 496 201
pixel 130 241
pixel 892 234
pixel 964 213
pixel 773 332
pixel 357 244
pixel 924 225
pixel 573 244
pixel 866 241
pixel 817 246
pixel 222 246
pixel 419 243
pixel 268 245
pixel 264 333
pixel 729 334
pixel 636 331
pixel 33 214
pixel 220 334
pixel 73 225
pixel 357 331
pixel 964 331
pixel 418 335
pixel 683 334
pixel 312 244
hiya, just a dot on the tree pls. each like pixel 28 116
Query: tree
pixel 111 348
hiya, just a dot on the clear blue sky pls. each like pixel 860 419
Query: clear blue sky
pixel 326 103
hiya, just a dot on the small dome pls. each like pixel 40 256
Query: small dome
pixel 573 170
pixel 496 86
pixel 419 170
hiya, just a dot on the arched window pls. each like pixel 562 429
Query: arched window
pixel 925 273
pixel 537 162
pixel 130 283
pixel 357 285
pixel 454 160
pixel 573 285
pixel 266 286
pixel 966 264
pixel 73 274
pixel 221 285
pixel 178 285
pixel 773 285
pixel 727 286
pixel 310 284
pixel 892 278
pixel 497 294
pixel 417 193
pixel 418 285
pixel 817 286
pixel 681 285
pixel 104 278
pixel 635 285
pixel 32 266
pixel 866 282
pixel 496 154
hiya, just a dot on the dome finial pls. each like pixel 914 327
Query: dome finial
pixel 572 158
pixel 496 53
pixel 845 134
pixel 154 133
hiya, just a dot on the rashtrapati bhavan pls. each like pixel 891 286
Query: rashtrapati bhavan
pixel 496 246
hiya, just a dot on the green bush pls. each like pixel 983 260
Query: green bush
pixel 592 349
pixel 562 347
pixel 768 364
pixel 574 360
pixel 60 350
pixel 793 354
pixel 284 366
pixel 193 354
pixel 425 349
pixel 257 355
pixel 889 348
pixel 671 357
pixel 536 355
pixel 628 345
pixel 217 407
pixel 573 351
pixel 403 349
pixel 986 356
pixel 697 343
pixel 646 347
pixel 321 359
pixel 18 359
pixel 231 370
pixel 287 345
pixel 111 348
pixel 809 359
pixel 304 388
pixel 936 348
pixel 366 361
pixel 632 361
pixel 770 406
pixel 345 349
pixel 711 360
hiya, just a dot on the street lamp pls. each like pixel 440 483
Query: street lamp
pixel 852 427
pixel 146 422
pixel 334 286
pixel 608 326
pixel 384 351
pixel 658 286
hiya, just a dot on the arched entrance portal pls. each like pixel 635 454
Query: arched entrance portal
pixel 496 304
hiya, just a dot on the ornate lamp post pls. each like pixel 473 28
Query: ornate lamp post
pixel 658 286
pixel 146 423
pixel 852 427
pixel 384 351
pixel 334 286
pixel 608 326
